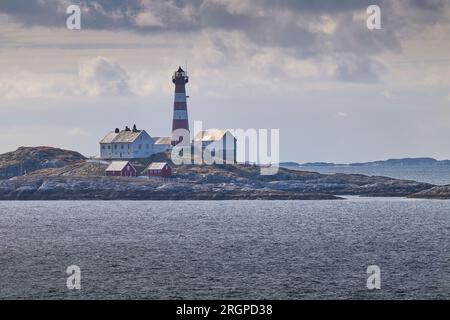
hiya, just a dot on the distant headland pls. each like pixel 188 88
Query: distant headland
pixel 420 161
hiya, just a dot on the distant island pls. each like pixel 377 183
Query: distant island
pixel 46 173
pixel 389 162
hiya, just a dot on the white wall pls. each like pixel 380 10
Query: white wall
pixel 142 147
pixel 226 144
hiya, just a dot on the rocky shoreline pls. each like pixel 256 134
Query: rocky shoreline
pixel 116 188
pixel 436 193
pixel 65 175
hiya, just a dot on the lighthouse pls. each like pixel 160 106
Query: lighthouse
pixel 180 115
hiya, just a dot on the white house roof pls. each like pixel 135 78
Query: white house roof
pixel 210 135
pixel 122 136
pixel 163 140
pixel 156 165
pixel 109 137
pixel 117 165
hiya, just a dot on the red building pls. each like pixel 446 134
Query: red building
pixel 121 169
pixel 159 169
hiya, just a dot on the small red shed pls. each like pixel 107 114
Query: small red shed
pixel 159 169
pixel 121 169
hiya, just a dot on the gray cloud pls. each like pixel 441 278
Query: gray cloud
pixel 353 68
pixel 285 24
pixel 195 14
pixel 101 76
pixel 430 4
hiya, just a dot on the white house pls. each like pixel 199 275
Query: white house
pixel 127 144
pixel 162 143
pixel 221 144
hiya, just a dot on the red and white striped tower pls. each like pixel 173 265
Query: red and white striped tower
pixel 180 115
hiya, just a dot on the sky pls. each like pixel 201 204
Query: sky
pixel 336 90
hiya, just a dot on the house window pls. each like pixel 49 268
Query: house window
pixel 103 147
pixel 140 146
pixel 128 146
pixel 148 147
pixel 121 146
pixel 115 146
pixel 109 147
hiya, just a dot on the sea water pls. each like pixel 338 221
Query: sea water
pixel 226 249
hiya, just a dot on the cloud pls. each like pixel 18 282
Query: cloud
pixel 98 76
pixel 329 38
pixel 353 68
pixel 289 23
pixel 32 85
pixel 102 76
pixel 148 19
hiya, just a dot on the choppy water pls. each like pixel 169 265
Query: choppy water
pixel 228 249
pixel 437 174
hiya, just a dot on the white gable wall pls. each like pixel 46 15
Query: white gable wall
pixel 224 149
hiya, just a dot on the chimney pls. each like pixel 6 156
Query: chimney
pixel 134 128
pixel 117 130
pixel 127 129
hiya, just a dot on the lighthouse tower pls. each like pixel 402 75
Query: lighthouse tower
pixel 180 115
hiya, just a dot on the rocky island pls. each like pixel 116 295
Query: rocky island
pixel 45 173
